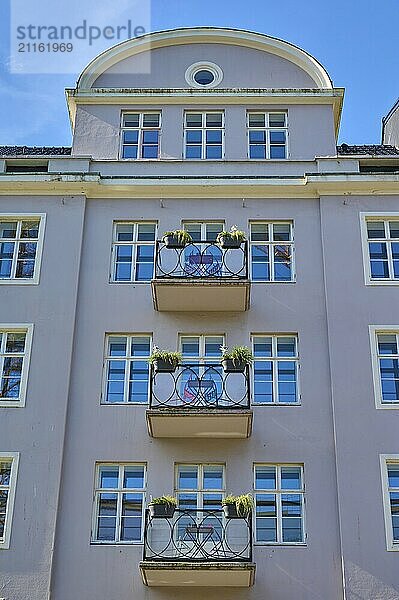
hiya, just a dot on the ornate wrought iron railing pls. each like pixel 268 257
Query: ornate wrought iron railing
pixel 196 386
pixel 197 536
pixel 201 260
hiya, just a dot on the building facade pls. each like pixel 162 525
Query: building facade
pixel 226 129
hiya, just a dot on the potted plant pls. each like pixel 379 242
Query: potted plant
pixel 178 238
pixel 237 507
pixel 162 507
pixel 237 359
pixel 164 361
pixel 231 239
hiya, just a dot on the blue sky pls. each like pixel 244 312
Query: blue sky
pixel 356 40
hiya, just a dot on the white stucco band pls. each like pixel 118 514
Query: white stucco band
pixel 200 36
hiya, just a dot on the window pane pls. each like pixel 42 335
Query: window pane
pixel 151 120
pixel 260 263
pixel 282 263
pixel 292 530
pixel 257 137
pixel 393 476
pixel 15 342
pixel 286 346
pixel 266 530
pixel 291 478
pixel 277 152
pixel 5 473
pixel 146 232
pixel 3 502
pixel 277 137
pixel 213 477
pixel 130 137
pixel 106 530
pixel 394 229
pixel 257 151
pixel 8 229
pixel 138 381
pixel 140 346
pixel 265 478
pixel 214 137
pixel 150 152
pixel 214 120
pixel 131 120
pixel 193 120
pixel 281 232
pixel 132 507
pixel 376 229
pixel 387 344
pixel 109 478
pixel 259 232
pixel 194 137
pixel 256 120
pixel 291 505
pixel 130 152
pixel 30 229
pixel 116 381
pixel 214 152
pixel 277 119
pixel 187 501
pixel 212 230
pixel 150 137
pixel 188 477
pixel 212 346
pixel 124 232
pixel 286 381
pixel 117 346
pixel 193 152
pixel 190 346
pixel 262 346
pixel 263 381
pixel 133 477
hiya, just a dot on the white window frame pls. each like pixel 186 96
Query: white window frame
pixel 385 460
pixel 271 244
pixel 267 130
pixel 275 360
pixel 140 129
pixel 204 129
pixel 12 457
pixel 203 225
pixel 19 328
pixel 202 359
pixel 128 359
pixel 39 248
pixel 375 216
pixel 374 330
pixel 200 491
pixel 119 492
pixel 278 494
pixel 133 243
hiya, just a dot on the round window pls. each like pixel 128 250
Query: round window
pixel 204 74
pixel 204 77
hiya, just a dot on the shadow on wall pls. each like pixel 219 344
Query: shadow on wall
pixel 362 585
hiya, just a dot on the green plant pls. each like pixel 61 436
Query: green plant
pixel 174 358
pixel 244 503
pixel 238 354
pixel 233 234
pixel 169 500
pixel 182 236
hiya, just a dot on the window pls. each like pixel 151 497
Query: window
pixel 279 504
pixel 133 251
pixel 127 369
pixel 15 345
pixel 21 239
pixel 275 369
pixel 8 480
pixel 202 230
pixel 272 251
pixel 390 484
pixel 385 361
pixel 383 249
pixel 119 503
pixel 204 134
pixel 204 74
pixel 204 349
pixel 267 135
pixel 200 486
pixel 140 135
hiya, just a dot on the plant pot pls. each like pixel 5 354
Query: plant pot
pixel 161 511
pixel 227 242
pixel 230 366
pixel 171 241
pixel 230 511
pixel 164 366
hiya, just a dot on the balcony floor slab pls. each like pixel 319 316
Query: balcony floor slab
pixel 206 574
pixel 199 423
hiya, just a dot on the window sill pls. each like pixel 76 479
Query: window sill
pixel 375 282
pixel 283 544
pixel 11 404
pixel 276 404
pixel 19 281
pixel 144 404
pixel 265 281
pixel 392 406
pixel 116 544
pixel 130 282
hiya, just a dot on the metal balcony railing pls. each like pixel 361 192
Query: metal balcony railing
pixel 200 386
pixel 201 260
pixel 197 536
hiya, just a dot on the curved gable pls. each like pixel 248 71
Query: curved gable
pixel 247 59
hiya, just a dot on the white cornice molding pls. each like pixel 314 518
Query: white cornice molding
pixel 203 35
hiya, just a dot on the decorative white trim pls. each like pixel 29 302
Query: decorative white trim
pixel 14 457
pixel 384 460
pixel 204 66
pixel 203 35
pixel 28 328
pixel 364 217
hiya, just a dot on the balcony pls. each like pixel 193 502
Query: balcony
pixel 199 401
pixel 202 276
pixel 197 548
